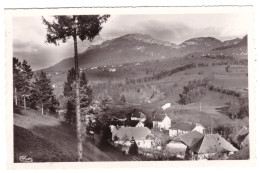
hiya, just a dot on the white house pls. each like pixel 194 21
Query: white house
pixel 184 127
pixel 176 146
pixel 141 135
pixel 180 143
pixel 112 69
pixel 162 123
pixel 140 124
pixel 199 128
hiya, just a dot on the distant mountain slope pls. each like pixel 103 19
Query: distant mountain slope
pixel 133 48
pixel 201 44
pixel 236 48
pixel 234 44
pixel 126 49
pixel 231 42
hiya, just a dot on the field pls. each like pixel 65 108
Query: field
pixel 149 95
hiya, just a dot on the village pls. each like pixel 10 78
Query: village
pixel 180 141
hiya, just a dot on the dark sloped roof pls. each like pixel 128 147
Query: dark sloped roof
pixel 177 139
pixel 212 143
pixel 241 136
pixel 243 154
pixel 242 132
pixel 129 132
pixel 245 142
pixel 184 126
pixel 162 136
pixel 191 138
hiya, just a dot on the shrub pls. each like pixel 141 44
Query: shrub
pixel 123 99
pixel 133 150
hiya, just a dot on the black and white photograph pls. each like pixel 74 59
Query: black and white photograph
pixel 112 86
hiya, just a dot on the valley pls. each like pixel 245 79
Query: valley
pixel 147 84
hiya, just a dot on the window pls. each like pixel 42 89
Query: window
pixel 138 143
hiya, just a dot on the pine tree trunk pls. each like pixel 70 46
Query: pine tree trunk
pixel 42 108
pixel 15 96
pixel 77 99
pixel 24 102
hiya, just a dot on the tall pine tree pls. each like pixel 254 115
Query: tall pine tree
pixel 17 83
pixel 69 91
pixel 86 94
pixel 43 92
pixel 22 75
pixel 75 26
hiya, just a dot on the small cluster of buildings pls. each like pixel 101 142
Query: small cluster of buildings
pixel 55 73
pixel 185 139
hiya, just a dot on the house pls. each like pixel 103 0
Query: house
pixel 208 146
pixel 140 117
pixel 162 136
pixel 162 123
pixel 142 136
pixel 180 143
pixel 183 127
pixel 112 69
pixel 133 123
pixel 241 138
pixel 140 124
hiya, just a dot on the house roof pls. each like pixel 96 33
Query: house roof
pixel 212 143
pixel 241 136
pixel 183 126
pixel 138 133
pixel 138 115
pixel 152 137
pixel 162 136
pixel 243 154
pixel 242 132
pixel 159 117
pixel 189 138
pixel 142 115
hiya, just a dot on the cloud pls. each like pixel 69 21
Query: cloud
pixel 29 33
pixel 177 27
pixel 172 31
pixel 45 55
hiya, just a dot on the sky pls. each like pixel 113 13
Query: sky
pixel 29 33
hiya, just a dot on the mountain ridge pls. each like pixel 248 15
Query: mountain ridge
pixel 132 48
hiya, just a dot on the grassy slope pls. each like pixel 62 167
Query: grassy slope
pixel 235 80
pixel 46 138
pixel 212 103
pixel 40 149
